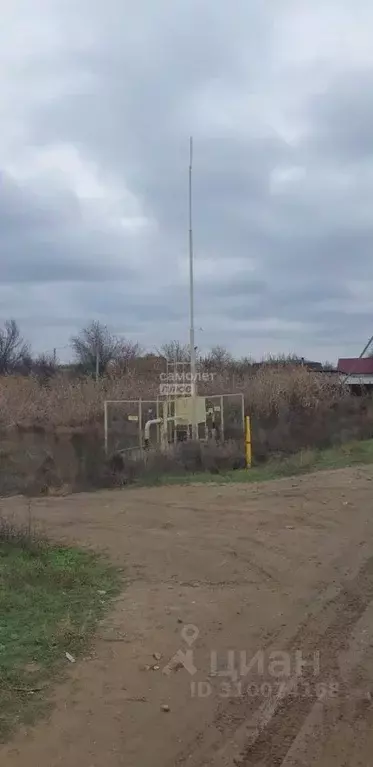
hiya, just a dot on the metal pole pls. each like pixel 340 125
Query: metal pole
pixel 222 418
pixel 97 363
pixel 243 413
pixel 106 427
pixel 164 440
pixel 248 451
pixel 191 303
pixel 139 415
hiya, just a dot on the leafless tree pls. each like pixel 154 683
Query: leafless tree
pixel 218 358
pixel 45 366
pixel 126 356
pixel 175 351
pixel 128 351
pixel 14 350
pixel 95 345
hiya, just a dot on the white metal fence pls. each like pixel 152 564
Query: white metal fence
pixel 220 417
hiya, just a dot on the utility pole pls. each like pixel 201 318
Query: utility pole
pixel 191 303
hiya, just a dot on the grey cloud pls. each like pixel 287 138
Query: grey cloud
pixel 140 308
pixel 141 83
pixel 243 284
pixel 44 240
pixel 342 118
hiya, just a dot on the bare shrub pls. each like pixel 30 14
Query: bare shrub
pixel 183 458
pixel 322 424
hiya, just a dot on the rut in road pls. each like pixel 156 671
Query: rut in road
pixel 274 741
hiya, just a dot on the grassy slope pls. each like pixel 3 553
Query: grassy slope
pixel 307 461
pixel 50 602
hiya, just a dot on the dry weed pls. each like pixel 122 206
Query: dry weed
pixel 66 402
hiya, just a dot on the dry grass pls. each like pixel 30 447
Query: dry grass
pixel 68 403
pixel 52 435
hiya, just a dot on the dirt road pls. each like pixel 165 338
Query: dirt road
pixel 277 574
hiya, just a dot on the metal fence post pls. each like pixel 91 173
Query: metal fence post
pixel 248 451
pixel 106 426
pixel 140 425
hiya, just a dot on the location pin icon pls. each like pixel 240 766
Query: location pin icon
pixel 189 633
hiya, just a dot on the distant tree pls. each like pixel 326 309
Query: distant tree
pixel 14 350
pixel 94 342
pixel 329 366
pixel 243 365
pixel 45 366
pixel 218 358
pixel 282 360
pixel 175 351
pixel 128 351
pixel 125 357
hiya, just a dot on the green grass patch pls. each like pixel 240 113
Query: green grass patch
pixel 306 461
pixel 50 601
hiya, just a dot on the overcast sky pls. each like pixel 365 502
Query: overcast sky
pixel 97 102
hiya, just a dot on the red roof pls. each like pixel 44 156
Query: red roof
pixel 354 365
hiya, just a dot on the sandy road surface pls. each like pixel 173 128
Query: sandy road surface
pixel 283 567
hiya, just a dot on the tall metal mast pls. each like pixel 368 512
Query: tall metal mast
pixel 191 302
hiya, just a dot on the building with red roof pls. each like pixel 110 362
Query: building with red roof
pixel 356 371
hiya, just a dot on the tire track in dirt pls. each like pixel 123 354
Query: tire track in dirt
pixel 270 744
pixel 330 618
